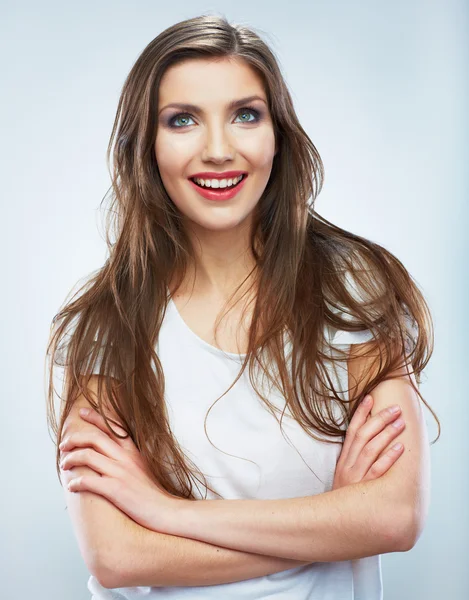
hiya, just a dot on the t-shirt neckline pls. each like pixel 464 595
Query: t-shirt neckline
pixel 199 340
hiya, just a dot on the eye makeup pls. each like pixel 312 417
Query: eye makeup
pixel 246 109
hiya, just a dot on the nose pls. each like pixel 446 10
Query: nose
pixel 217 146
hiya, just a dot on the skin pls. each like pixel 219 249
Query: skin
pixel 219 139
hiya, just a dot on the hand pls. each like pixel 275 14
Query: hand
pixel 121 476
pixel 364 441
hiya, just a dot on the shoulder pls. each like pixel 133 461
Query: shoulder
pixel 373 328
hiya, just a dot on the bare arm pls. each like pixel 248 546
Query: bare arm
pixel 357 515
pixel 344 524
pixel 150 558
pixel 121 553
pixel 364 519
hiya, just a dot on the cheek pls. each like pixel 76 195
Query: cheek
pixel 171 155
pixel 261 151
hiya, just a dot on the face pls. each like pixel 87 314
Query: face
pixel 213 137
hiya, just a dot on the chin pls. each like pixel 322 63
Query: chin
pixel 220 222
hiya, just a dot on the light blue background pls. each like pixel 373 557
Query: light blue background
pixel 382 90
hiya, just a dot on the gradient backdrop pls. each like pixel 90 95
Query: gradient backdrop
pixel 380 88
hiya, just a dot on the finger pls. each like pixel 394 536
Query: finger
pixel 384 463
pixel 358 419
pixel 91 483
pixel 90 458
pixel 368 431
pixel 375 447
pixel 94 438
pixel 126 442
pixel 112 489
pixel 92 416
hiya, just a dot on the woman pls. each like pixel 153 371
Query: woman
pixel 212 180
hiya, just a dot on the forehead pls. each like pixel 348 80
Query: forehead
pixel 209 82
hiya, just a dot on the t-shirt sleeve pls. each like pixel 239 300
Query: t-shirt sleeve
pixel 346 338
pixel 62 358
pixel 341 337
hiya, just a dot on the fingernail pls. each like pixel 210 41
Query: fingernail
pixel 367 400
pixel 84 412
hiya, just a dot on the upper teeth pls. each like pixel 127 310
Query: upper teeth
pixel 216 183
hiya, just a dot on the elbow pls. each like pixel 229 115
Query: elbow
pixel 103 568
pixel 411 528
pixel 97 562
pixel 106 576
pixel 108 557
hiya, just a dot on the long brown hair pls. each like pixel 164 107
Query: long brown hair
pixel 313 276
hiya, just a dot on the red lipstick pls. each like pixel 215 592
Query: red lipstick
pixel 219 193
pixel 214 175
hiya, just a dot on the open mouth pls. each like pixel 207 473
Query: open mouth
pixel 227 187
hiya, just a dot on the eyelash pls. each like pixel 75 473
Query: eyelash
pixel 255 112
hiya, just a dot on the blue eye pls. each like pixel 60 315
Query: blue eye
pixel 246 112
pixel 242 111
pixel 174 119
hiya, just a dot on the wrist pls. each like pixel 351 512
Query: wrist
pixel 177 518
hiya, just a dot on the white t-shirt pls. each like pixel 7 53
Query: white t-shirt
pixel 240 427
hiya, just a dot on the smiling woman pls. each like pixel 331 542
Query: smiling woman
pixel 212 131
pixel 226 285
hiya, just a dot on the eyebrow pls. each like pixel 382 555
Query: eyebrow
pixel 197 109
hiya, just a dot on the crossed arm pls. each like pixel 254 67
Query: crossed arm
pixel 214 539
pixel 338 525
pixel 364 519
pixel 351 522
